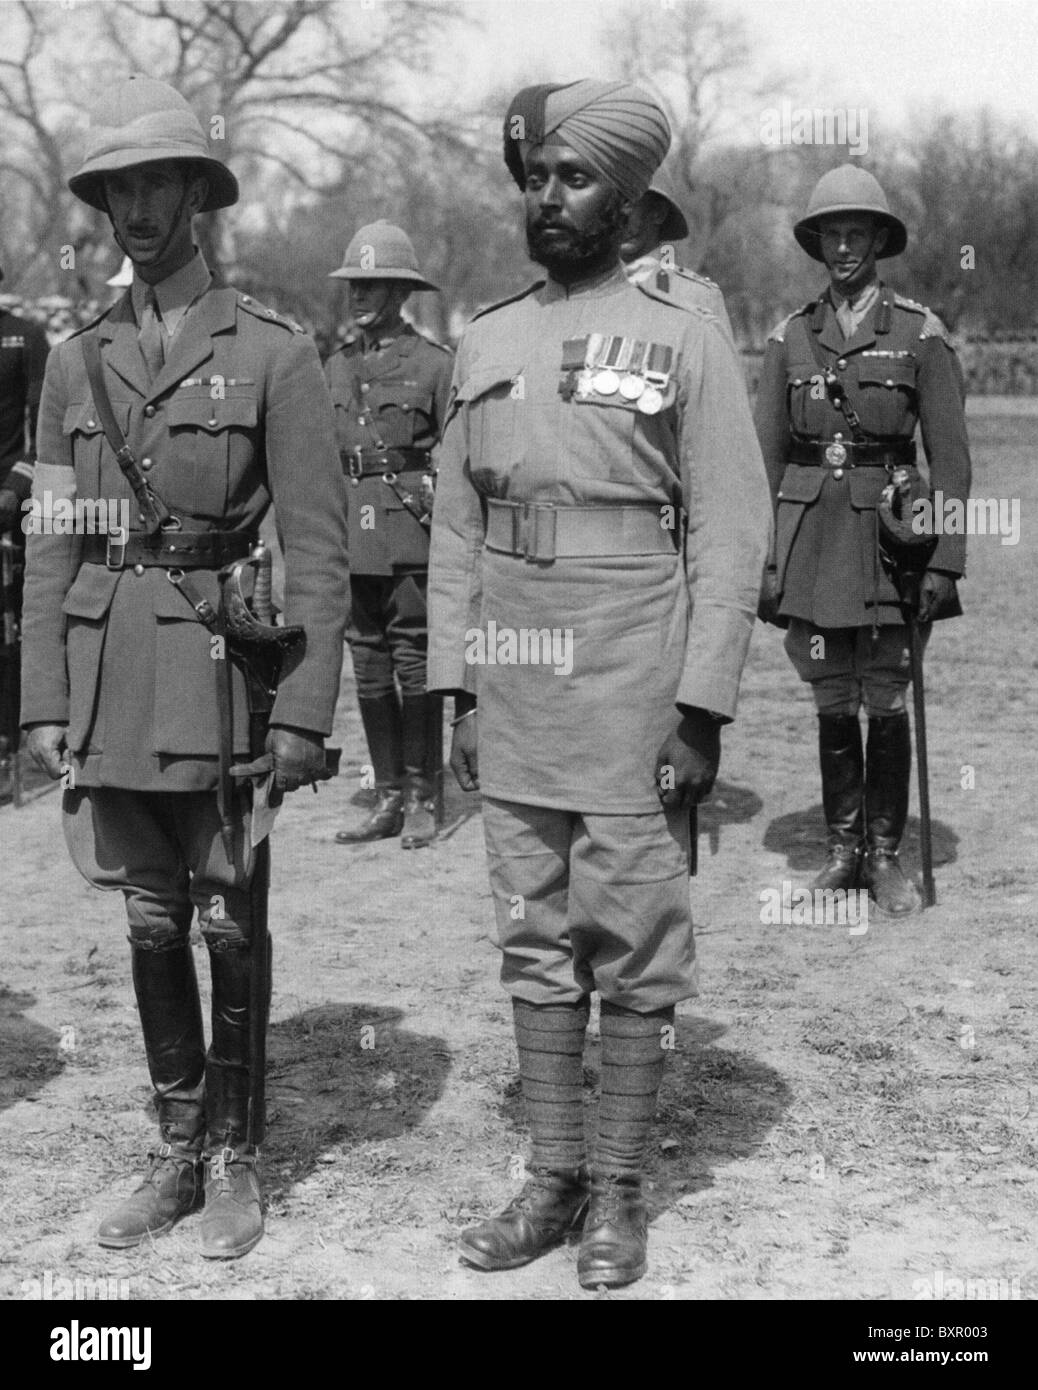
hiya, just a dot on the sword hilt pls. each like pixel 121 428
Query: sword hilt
pixel 263 586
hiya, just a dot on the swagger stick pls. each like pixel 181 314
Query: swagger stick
pixel 915 651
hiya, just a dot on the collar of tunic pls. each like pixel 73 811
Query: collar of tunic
pixel 611 281
pixel 175 294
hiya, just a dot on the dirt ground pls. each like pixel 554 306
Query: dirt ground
pixel 845 1116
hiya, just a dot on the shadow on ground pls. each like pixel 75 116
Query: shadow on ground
pixel 800 836
pixel 342 1075
pixel 30 1054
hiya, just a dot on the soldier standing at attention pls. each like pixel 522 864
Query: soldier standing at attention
pixel 589 419
pixel 845 381
pixel 655 222
pixel 389 387
pixel 225 408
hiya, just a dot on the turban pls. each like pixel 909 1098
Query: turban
pixel 616 127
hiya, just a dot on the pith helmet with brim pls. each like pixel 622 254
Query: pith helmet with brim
pixel 140 121
pixel 841 192
pixel 674 226
pixel 381 251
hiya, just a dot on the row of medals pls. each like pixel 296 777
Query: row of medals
pixel 643 387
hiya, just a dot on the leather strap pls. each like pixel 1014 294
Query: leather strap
pixel 813 453
pixel 193 550
pixel 370 463
pixel 153 509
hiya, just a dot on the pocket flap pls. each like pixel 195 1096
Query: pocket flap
pixel 801 484
pixel 484 379
pixel 205 413
pixel 91 592
pixel 82 418
pixel 875 371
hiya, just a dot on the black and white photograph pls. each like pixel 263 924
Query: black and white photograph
pixel 518 665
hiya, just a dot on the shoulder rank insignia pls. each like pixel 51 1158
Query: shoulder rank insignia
pixel 933 327
pixel 778 333
pixel 14 340
pixel 260 311
pixel 694 275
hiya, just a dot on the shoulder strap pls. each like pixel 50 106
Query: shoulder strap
pixel 153 509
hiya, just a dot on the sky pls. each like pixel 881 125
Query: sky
pixel 896 57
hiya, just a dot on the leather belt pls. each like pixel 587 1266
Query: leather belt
pixel 370 463
pixel 846 453
pixel 544 531
pixel 184 550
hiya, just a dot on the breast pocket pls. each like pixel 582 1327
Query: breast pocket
pixel 888 393
pixel 85 434
pixel 409 416
pixel 214 442
pixel 492 399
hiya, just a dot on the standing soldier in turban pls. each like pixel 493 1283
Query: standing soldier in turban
pixel 845 381
pixel 599 533
pixel 655 222
pixel 390 390
pixel 127 692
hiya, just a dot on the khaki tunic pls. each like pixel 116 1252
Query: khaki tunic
pixel 238 417
pixel 649 632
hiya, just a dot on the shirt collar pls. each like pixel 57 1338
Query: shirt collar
pixel 862 303
pixel 176 293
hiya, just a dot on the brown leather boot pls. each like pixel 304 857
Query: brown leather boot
pixel 172 1186
pixel 232 1222
pixel 843 775
pixel 380 715
pixel 171 1020
pixel 888 771
pixel 613 1251
pixel 546 1210
pixel 419 827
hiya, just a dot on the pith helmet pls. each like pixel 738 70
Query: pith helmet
pixel 674 226
pixel 381 251
pixel 840 192
pixel 139 121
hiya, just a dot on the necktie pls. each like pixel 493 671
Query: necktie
pixel 845 318
pixel 150 334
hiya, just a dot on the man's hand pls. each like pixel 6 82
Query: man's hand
pixel 464 759
pixel 10 510
pixel 46 745
pixel 686 765
pixel 937 595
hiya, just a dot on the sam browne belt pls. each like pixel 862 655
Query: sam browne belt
pixel 847 453
pixel 185 550
pixel 371 463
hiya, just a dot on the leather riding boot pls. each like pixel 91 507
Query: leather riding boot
pixel 888 769
pixel 634 1048
pixel 843 778
pixel 171 1019
pixel 613 1251
pixel 546 1210
pixel 381 717
pixel 419 808
pixel 232 1222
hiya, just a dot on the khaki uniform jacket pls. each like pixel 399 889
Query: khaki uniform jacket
pixel 648 631
pixel 391 398
pixel 900 371
pixel 238 417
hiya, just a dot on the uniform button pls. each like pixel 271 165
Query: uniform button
pixel 245 299
pixel 146 464
pixel 379 444
pixel 271 314
pixel 842 363
pixel 365 386
pixel 141 519
pixel 90 424
pixel 797 382
pixel 890 381
pixel 212 420
pixel 837 473
pixel 138 570
pixel 149 410
pixel 405 406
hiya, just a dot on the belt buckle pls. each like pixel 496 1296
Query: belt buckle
pixel 354 464
pixel 115 554
pixel 836 454
pixel 539 538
